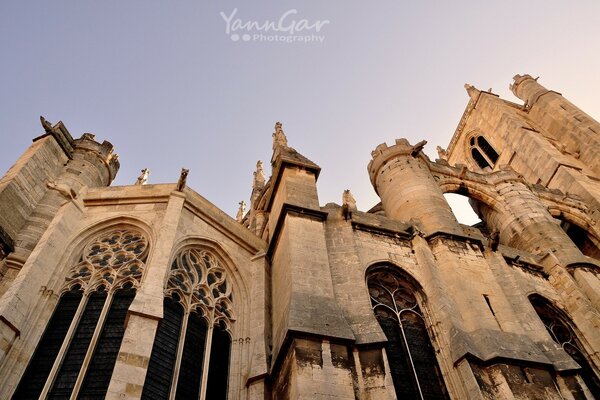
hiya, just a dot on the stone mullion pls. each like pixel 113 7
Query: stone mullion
pixel 206 361
pixel 180 346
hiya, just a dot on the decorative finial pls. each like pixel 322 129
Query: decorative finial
pixel 259 176
pixel 241 211
pixel 443 154
pixel 182 178
pixel 348 204
pixel 279 138
pixel 143 178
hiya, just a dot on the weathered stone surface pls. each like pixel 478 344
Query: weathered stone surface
pixel 302 323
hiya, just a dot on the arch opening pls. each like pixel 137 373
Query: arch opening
pixel 191 352
pixel 586 243
pixel 560 328
pixel 96 295
pixel 413 364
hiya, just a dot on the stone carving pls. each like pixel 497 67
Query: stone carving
pixel 63 189
pixel 46 125
pixel 416 149
pixel 348 204
pixel 494 240
pixel 442 153
pixel 241 211
pixel 279 138
pixel 182 178
pixel 143 178
pixel 259 176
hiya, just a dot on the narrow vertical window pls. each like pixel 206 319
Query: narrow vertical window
pixel 88 321
pixel 414 368
pixel 559 328
pixel 198 343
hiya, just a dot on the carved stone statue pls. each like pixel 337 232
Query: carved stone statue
pixel 259 176
pixel 46 125
pixel 182 178
pixel 442 154
pixel 143 178
pixel 241 211
pixel 494 240
pixel 417 148
pixel 348 204
pixel 279 138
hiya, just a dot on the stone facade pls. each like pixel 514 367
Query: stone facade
pixel 300 293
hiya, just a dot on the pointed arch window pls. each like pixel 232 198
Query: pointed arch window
pixel 560 329
pixel 194 336
pixel 482 152
pixel 78 350
pixel 414 367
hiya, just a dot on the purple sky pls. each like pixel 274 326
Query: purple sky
pixel 169 88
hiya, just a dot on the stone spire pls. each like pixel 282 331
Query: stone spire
pixel 241 211
pixel 279 138
pixel 143 178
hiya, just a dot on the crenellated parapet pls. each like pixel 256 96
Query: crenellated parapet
pixel 401 176
pixel 103 153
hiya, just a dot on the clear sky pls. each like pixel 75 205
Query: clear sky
pixel 170 88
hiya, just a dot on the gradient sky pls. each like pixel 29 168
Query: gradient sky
pixel 169 88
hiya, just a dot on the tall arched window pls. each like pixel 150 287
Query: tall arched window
pixel 414 367
pixel 194 336
pixel 559 328
pixel 78 350
pixel 482 152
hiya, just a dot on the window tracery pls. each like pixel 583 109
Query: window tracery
pixel 112 259
pixel 561 332
pixel 90 315
pixel 412 360
pixel 198 308
pixel 482 152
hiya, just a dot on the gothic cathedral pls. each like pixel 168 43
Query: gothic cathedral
pixel 152 292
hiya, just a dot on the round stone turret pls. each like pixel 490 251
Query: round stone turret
pixel 401 177
pixel 94 164
pixel 527 89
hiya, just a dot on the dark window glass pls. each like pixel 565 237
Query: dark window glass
pixel 414 368
pixel 219 365
pixel 487 149
pixel 103 361
pixel 190 372
pixel 582 239
pixel 164 351
pixel 561 332
pixel 67 375
pixel 479 159
pixel 37 372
